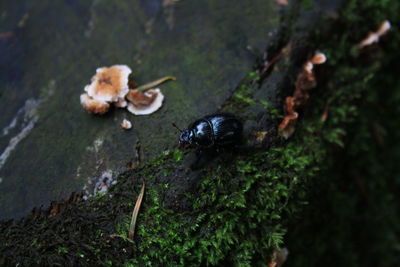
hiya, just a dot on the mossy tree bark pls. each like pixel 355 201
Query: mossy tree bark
pixel 238 207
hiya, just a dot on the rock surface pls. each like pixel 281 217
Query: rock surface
pixel 49 146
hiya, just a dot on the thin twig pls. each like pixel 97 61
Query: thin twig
pixel 135 213
pixel 155 83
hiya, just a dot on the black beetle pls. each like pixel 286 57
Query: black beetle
pixel 212 132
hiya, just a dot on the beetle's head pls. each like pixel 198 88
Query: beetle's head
pixel 184 139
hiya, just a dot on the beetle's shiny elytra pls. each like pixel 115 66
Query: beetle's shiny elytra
pixel 217 130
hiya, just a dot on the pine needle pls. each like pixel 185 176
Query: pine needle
pixel 155 83
pixel 135 213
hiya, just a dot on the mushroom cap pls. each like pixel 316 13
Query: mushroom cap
pixel 141 99
pixel 94 106
pixel 109 84
pixel 318 58
pixel 144 103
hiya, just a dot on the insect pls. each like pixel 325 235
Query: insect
pixel 211 133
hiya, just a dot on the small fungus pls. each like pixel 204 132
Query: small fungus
pixel 109 84
pixel 304 82
pixel 373 37
pixel 318 58
pixel 282 2
pixel 144 103
pixel 125 124
pixel 94 106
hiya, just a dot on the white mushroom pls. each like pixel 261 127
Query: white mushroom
pixel 94 106
pixel 144 103
pixel 109 84
pixel 121 103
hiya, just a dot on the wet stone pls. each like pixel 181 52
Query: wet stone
pixel 49 146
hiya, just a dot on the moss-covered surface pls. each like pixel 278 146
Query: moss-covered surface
pixel 352 216
pixel 240 206
pixel 55 49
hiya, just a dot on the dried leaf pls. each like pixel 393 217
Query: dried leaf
pixel 279 256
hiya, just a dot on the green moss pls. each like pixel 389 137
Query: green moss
pixel 307 4
pixel 178 155
pixel 242 97
pixel 352 215
pixel 62 250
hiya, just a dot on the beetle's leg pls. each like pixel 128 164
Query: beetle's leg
pixel 197 164
pixel 199 152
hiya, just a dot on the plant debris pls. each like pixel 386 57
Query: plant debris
pixel 155 83
pixel 268 65
pixel 279 257
pixel 57 207
pixel 373 37
pixel 135 213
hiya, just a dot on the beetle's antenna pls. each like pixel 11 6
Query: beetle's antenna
pixel 173 124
